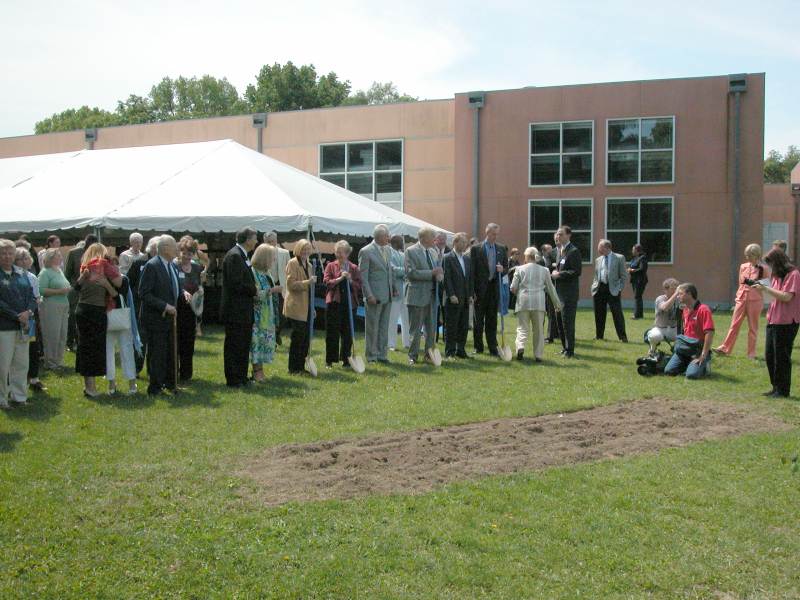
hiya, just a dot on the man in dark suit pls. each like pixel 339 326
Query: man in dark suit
pixel 458 292
pixel 566 277
pixel 236 306
pixel 441 248
pixel 489 261
pixel 134 278
pixel 72 269
pixel 548 260
pixel 159 288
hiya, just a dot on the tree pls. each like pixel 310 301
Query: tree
pixel 187 98
pixel 778 167
pixel 286 87
pixel 80 118
pixel 379 93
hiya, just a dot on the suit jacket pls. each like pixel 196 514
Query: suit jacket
pixel 480 266
pixel 531 282
pixel 299 285
pixel 617 275
pixel 456 282
pixel 569 265
pixel 398 266
pixel 72 264
pixel 376 273
pixel 336 291
pixel 639 266
pixel 419 275
pixel 278 270
pixel 238 288
pixel 134 278
pixel 156 291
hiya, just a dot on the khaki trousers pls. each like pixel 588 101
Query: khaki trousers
pixel 54 318
pixel 13 367
pixel 530 323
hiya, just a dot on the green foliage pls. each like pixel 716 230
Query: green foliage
pixel 778 167
pixel 277 87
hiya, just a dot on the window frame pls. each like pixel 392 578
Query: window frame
pixel 373 171
pixel 560 154
pixel 640 150
pixel 638 230
pixel 590 200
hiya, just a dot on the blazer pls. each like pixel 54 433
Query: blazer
pixel 569 265
pixel 419 275
pixel 456 282
pixel 238 288
pixel 299 285
pixel 639 266
pixel 336 290
pixel 155 292
pixel 397 260
pixel 480 265
pixel 72 264
pixel 376 273
pixel 531 282
pixel 278 270
pixel 617 275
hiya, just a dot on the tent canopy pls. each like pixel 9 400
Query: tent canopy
pixel 197 187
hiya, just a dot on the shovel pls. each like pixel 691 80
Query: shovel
pixel 311 366
pixel 356 362
pixel 433 354
pixel 504 351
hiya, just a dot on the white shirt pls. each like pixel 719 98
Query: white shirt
pixel 461 262
pixel 127 258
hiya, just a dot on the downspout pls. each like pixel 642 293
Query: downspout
pixel 737 84
pixel 259 123
pixel 476 101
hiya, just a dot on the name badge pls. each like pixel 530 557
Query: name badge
pixel 182 275
pixel 563 261
pixel 247 262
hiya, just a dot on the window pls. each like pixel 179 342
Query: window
pixel 548 215
pixel 372 169
pixel 561 153
pixel 641 150
pixel 645 221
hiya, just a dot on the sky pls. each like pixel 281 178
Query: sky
pixel 59 55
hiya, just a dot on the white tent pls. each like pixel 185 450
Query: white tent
pixel 197 187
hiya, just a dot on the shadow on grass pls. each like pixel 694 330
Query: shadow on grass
pixel 9 440
pixel 124 402
pixel 41 407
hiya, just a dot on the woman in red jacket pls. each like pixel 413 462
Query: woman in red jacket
pixel 338 341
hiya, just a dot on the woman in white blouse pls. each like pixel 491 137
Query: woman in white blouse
pixel 530 283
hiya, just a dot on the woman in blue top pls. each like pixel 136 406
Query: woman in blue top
pixel 265 311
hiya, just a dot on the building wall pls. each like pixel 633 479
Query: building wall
pixel 780 208
pixel 703 184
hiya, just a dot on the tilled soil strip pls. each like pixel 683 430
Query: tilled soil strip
pixel 414 462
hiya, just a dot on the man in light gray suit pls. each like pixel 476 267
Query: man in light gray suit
pixel 609 281
pixel 423 272
pixel 374 262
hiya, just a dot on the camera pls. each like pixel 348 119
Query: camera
pixel 748 281
pixel 647 366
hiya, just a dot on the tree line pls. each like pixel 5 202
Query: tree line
pixel 277 88
pixel 778 167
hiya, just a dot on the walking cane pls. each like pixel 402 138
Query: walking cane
pixel 505 351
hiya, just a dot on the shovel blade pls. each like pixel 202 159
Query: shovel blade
pixel 311 366
pixel 357 364
pixel 436 357
pixel 506 354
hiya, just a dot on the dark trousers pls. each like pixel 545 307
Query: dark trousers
pixel 72 328
pixel 236 352
pixel 638 293
pixel 281 320
pixel 338 341
pixel 160 359
pixel 566 322
pixel 603 300
pixel 35 351
pixel 778 354
pixel 456 317
pixel 187 332
pixel 552 323
pixel 298 347
pixel 486 318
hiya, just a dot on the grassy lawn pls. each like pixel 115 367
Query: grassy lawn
pixel 134 498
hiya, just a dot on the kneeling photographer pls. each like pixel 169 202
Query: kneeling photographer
pixel 692 353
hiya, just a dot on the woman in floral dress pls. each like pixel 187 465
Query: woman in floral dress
pixel 262 345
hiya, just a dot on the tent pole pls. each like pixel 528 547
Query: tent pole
pixel 98 231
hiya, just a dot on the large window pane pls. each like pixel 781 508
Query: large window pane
pixel 622 214
pixel 544 170
pixel 332 158
pixel 577 169
pixel 389 155
pixel 335 179
pixel 388 187
pixel 545 139
pixel 656 166
pixel 657 244
pixel 360 184
pixel 622 242
pixel 578 215
pixel 623 135
pixel 583 240
pixel 657 133
pixel 544 216
pixel 538 238
pixel 577 137
pixel 623 167
pixel 359 157
pixel 656 213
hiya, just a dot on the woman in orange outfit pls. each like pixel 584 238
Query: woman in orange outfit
pixel 749 302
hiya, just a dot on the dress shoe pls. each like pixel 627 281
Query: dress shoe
pixel 412 361
pixel 520 354
pixel 568 354
pixel 769 394
pixel 38 386
pixel 463 355
pixel 538 359
pixel 494 353
pixel 624 340
pixel 89 394
pixel 384 361
pixel 478 351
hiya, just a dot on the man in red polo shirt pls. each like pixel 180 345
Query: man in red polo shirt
pixel 698 324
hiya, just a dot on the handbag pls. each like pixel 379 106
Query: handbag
pixel 687 347
pixel 119 319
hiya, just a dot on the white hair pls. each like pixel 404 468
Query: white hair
pixel 380 229
pixel 152 244
pixel 135 236
pixel 531 253
pixel 426 232
pixel 165 241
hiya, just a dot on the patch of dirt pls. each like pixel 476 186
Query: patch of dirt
pixel 415 462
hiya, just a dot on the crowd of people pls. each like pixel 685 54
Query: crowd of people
pixel 146 305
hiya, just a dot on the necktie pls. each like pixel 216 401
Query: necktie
pixel 173 280
pixel 385 254
pixel 607 260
